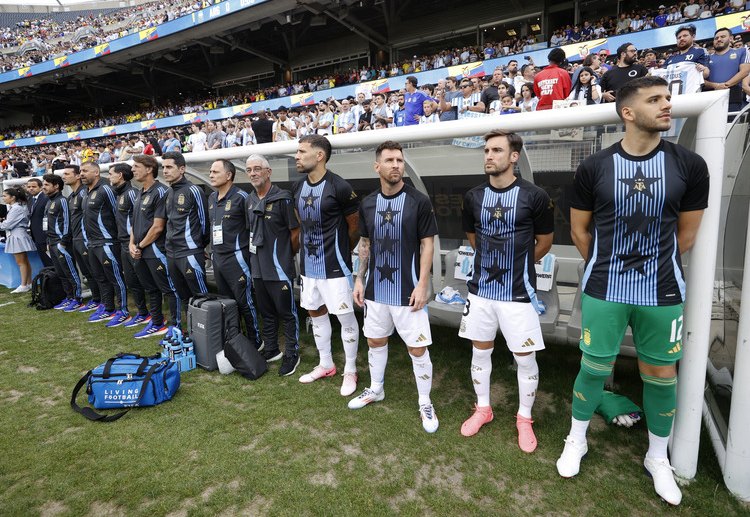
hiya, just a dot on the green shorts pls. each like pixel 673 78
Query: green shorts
pixel 657 331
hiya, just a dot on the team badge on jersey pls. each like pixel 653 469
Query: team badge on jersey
pixel 228 206
pixel 269 207
pixel 181 199
pixel 93 195
pixel 147 199
pixel 122 200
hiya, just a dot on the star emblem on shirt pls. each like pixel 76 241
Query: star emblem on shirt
pixel 309 224
pixel 634 260
pixel 498 211
pixel 386 272
pixel 312 248
pixel 387 244
pixel 310 201
pixel 638 222
pixel 639 183
pixel 495 273
pixel 388 215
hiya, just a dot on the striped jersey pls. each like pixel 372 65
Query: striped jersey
pixel 636 202
pixel 187 220
pixel 322 208
pixel 395 226
pixel 100 215
pixel 681 77
pixel 505 222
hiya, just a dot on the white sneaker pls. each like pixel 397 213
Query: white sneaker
pixel 569 462
pixel 365 398
pixel 22 289
pixel 664 484
pixel 349 385
pixel 429 418
pixel 318 373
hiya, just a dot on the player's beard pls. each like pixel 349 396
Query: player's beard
pixel 493 171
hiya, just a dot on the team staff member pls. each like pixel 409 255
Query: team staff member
pixel 100 225
pixel 147 246
pixel 37 206
pixel 509 222
pixel 327 208
pixel 187 230
pixel 57 225
pixel 119 178
pixel 398 229
pixel 274 240
pixel 645 198
pixel 227 208
pixel 71 175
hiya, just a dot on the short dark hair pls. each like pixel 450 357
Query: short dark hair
pixel 176 156
pixel 92 163
pixel 148 161
pixel 124 169
pixel 690 28
pixel 54 179
pixel 76 168
pixel 514 141
pixel 631 88
pixel 389 145
pixel 622 49
pixel 557 56
pixel 318 142
pixel 35 180
pixel 413 80
pixel 723 29
pixel 228 167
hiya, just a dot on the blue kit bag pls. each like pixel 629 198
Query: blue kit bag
pixel 127 381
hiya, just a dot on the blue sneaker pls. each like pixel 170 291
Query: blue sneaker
pixel 90 306
pixel 118 319
pixel 151 330
pixel 104 315
pixel 62 304
pixel 73 306
pixel 138 319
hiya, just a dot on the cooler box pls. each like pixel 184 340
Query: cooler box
pixel 208 318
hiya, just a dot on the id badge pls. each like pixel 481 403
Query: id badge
pixel 253 248
pixel 218 235
pixel 44 224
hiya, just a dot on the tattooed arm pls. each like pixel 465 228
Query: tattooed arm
pixel 364 261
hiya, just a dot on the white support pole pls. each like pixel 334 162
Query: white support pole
pixel 737 465
pixel 709 143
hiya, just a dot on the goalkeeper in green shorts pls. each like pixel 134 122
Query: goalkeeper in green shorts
pixel 636 207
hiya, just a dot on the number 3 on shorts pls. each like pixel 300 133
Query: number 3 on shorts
pixel 466 309
pixel 676 333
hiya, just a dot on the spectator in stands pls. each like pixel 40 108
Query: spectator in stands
pixel 414 102
pixel 728 68
pixel 365 119
pixel 625 70
pixel 429 116
pixel 585 90
pixel 623 25
pixel 660 20
pixel 323 124
pixel 346 122
pixel 263 127
pixel 528 99
pixel 467 101
pixel 284 128
pixel 675 16
pixel 214 136
pixel 246 134
pixel 381 112
pixel 691 11
pixel 171 144
pixel 553 82
pixel 198 140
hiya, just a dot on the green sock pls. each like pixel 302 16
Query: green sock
pixel 589 385
pixel 659 403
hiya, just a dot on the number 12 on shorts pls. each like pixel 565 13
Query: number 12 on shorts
pixel 676 333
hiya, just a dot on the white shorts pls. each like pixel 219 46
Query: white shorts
pixel 518 322
pixel 334 293
pixel 412 326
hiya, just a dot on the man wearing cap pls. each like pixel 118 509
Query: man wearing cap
pixel 660 20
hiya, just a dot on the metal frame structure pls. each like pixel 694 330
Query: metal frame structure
pixel 710 111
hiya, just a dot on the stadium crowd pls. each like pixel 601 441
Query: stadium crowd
pixel 42 39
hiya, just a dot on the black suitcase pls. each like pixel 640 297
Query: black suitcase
pixel 211 320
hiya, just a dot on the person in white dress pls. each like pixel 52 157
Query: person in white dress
pixel 17 240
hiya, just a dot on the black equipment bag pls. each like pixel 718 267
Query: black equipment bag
pixel 245 357
pixel 46 290
pixel 211 321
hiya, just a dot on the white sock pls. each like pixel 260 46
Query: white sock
pixel 657 446
pixel 378 358
pixel 321 326
pixel 423 374
pixel 528 381
pixel 481 370
pixel 578 430
pixel 350 338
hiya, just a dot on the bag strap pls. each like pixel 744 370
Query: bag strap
pixel 99 417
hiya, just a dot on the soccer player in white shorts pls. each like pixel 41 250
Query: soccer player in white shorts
pixel 327 208
pixel 397 227
pixel 509 222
